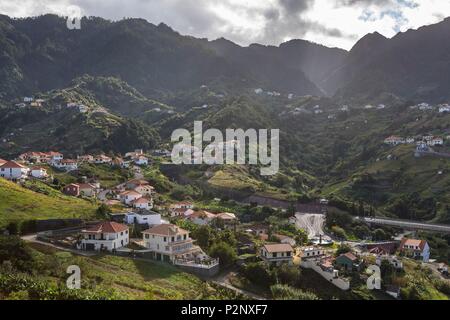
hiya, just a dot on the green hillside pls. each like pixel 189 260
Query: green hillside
pixel 18 204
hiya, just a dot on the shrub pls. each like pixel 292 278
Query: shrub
pixel 284 292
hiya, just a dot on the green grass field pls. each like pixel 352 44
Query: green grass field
pixel 130 279
pixel 18 203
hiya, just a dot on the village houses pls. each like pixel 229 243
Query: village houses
pixel 106 236
pixel 128 197
pixel 65 164
pixel 39 172
pixel 169 243
pixel 143 217
pixel 12 170
pixel 416 249
pixel 143 203
pixel 277 254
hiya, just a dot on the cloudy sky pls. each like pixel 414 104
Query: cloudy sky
pixel 338 23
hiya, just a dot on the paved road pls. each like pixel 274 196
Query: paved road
pixel 33 238
pixel 409 225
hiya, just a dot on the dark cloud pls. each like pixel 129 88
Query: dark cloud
pixel 286 20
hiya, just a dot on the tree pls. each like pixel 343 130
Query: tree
pixel 380 234
pixel 223 251
pixel 259 274
pixel 287 274
pixel 339 232
pixel 14 250
pixel 203 235
pixel 343 248
pixel 103 210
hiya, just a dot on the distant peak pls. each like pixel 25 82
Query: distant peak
pixel 369 41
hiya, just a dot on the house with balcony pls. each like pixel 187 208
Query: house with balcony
pixel 169 242
pixel 130 196
pixel 12 170
pixel 277 254
pixel 106 236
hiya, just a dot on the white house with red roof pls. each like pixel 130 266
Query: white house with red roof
pixel 277 254
pixel 39 172
pixel 12 170
pixel 65 164
pixel 170 242
pixel 128 197
pixel 394 140
pixel 179 209
pixel 201 217
pixel 143 203
pixel 416 249
pixel 106 236
pixel 145 189
pixel 102 159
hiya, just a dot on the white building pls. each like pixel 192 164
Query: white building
pixel 106 236
pixel 143 203
pixel 277 254
pixel 436 141
pixel 143 217
pixel 201 217
pixel 128 197
pixel 102 159
pixel 416 249
pixel 312 252
pixel 141 161
pixel 65 164
pixel 12 170
pixel 39 172
pixel 170 243
pixel 394 140
pixel 145 189
pixel 444 108
pixel 393 260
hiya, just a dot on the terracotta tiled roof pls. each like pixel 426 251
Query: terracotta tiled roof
pixel 278 247
pixel 107 227
pixel 350 256
pixel 2 162
pixel 202 214
pixel 131 193
pixel 166 230
pixel 413 242
pixel 226 216
pixel 141 201
pixel 138 182
pixel 12 164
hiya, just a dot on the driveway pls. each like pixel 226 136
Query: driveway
pixel 223 279
pixel 33 238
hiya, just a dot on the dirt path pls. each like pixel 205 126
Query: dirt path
pixel 223 279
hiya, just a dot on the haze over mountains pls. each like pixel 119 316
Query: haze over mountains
pixel 40 54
